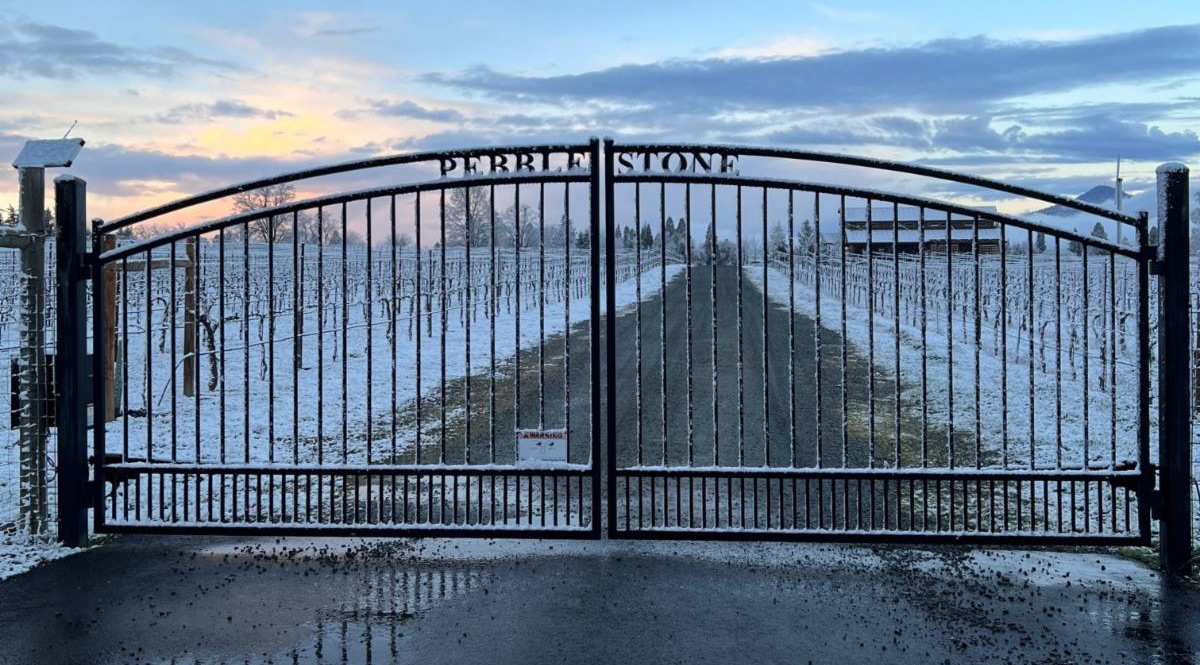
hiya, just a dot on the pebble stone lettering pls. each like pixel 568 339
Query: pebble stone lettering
pixel 627 162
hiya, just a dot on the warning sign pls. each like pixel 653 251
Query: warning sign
pixel 541 446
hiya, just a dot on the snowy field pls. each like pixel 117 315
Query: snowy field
pixel 343 359
pixel 1039 380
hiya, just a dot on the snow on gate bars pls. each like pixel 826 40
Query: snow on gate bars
pixel 837 363
pixel 358 362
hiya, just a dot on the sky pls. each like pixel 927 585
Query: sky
pixel 175 98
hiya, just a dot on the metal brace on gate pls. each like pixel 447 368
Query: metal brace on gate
pixel 12 238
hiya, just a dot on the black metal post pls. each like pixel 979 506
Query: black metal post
pixel 1174 382
pixel 610 331
pixel 71 362
pixel 594 333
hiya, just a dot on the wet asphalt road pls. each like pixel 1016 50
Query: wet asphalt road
pixel 192 600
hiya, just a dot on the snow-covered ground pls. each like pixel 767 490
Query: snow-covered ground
pixel 19 553
pixel 1030 409
pixel 352 345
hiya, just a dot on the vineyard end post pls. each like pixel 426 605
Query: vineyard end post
pixel 1174 387
pixel 70 366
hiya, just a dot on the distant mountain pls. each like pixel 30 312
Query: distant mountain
pixel 1105 197
pixel 1101 195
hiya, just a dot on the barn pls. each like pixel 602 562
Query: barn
pixel 903 225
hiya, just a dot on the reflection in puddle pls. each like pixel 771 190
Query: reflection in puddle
pixel 370 628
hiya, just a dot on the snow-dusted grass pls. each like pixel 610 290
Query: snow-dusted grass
pixel 19 553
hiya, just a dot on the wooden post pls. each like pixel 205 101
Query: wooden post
pixel 34 512
pixel 110 324
pixel 189 319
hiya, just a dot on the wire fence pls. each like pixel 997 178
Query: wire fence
pixel 27 443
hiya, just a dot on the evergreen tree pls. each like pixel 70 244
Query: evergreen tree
pixel 1040 243
pixel 777 240
pixel 807 239
pixel 708 250
pixel 1099 232
pixel 721 252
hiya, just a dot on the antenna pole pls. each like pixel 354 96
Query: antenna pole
pixel 1118 195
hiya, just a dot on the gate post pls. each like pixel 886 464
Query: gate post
pixel 1174 381
pixel 71 361
pixel 33 395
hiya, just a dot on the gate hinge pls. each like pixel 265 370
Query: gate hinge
pixel 87 261
pixel 1157 267
pixel 89 494
pixel 1155 499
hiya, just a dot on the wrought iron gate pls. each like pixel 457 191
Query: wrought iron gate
pixel 363 362
pixel 827 362
pixel 779 359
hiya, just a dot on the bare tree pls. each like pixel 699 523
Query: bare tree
pixel 322 229
pixel 528 225
pixel 458 231
pixel 267 229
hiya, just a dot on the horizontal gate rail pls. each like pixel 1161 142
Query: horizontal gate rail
pixel 878 164
pixel 1115 477
pixel 883 196
pixel 335 169
pixel 334 200
pixel 126 468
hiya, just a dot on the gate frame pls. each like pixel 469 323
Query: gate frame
pixel 103 255
pixel 1140 481
pixel 1169 261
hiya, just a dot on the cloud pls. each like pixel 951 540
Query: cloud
pixel 403 109
pixel 945 75
pixel 777 48
pixel 222 108
pixel 345 32
pixel 49 51
pixel 332 24
pixel 981 139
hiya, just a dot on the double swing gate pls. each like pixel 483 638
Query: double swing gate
pixel 647 341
